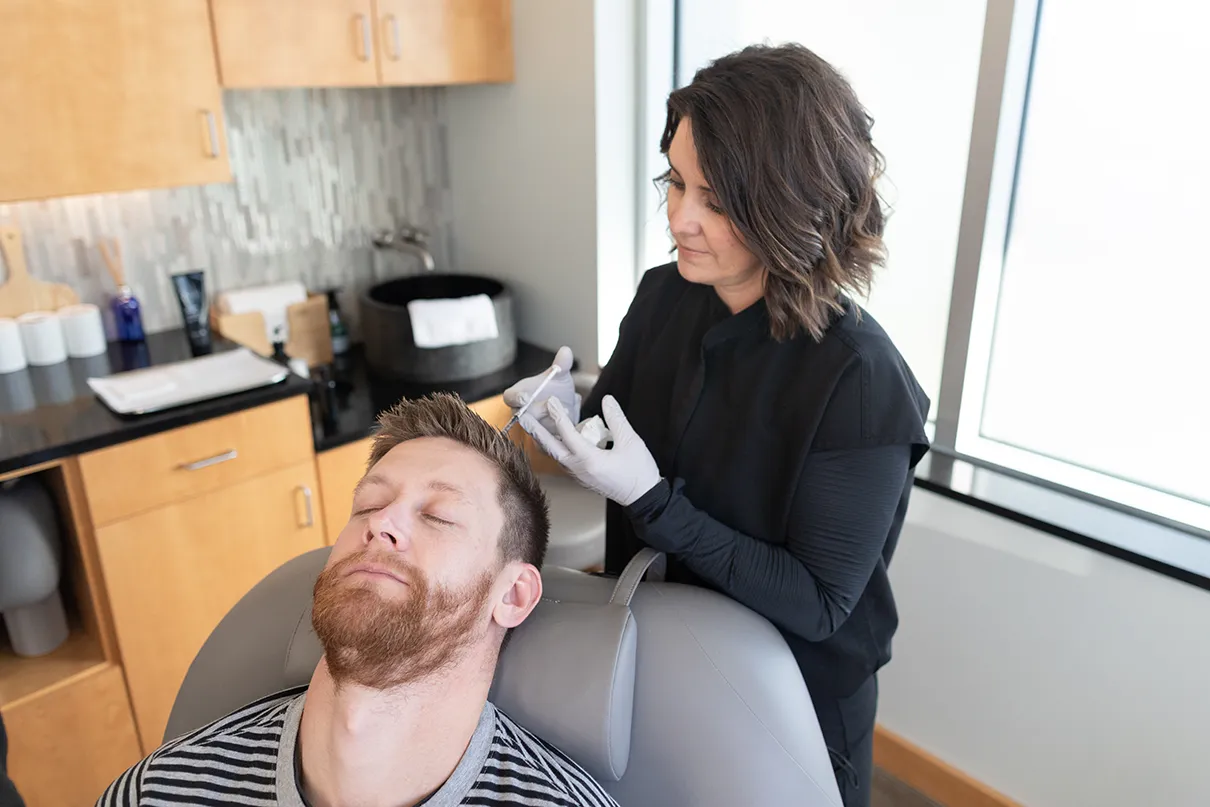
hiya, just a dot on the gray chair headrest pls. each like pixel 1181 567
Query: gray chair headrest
pixel 584 702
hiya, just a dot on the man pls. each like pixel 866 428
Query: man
pixel 438 562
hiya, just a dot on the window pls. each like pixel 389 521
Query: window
pixel 1088 358
pixel 1049 184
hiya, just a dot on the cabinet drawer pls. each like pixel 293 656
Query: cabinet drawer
pixel 67 744
pixel 143 474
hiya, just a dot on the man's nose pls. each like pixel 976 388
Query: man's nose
pixel 386 530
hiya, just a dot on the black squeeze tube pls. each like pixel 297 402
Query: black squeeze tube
pixel 190 288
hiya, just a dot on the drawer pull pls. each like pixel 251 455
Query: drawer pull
pixel 396 50
pixel 206 463
pixel 212 131
pixel 363 23
pixel 306 492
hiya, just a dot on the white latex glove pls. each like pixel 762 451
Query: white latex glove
pixel 622 473
pixel 560 388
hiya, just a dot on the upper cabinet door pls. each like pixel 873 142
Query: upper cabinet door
pixel 107 95
pixel 295 43
pixel 445 41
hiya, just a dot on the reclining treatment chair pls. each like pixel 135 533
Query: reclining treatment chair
pixel 670 695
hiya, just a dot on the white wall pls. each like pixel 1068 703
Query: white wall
pixel 541 172
pixel 523 175
pixel 1055 674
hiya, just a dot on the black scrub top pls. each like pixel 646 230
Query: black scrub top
pixel 787 466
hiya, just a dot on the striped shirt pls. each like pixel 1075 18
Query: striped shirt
pixel 247 758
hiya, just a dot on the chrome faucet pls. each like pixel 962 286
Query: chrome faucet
pixel 407 239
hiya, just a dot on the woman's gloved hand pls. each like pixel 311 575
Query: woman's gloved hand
pixel 622 473
pixel 560 388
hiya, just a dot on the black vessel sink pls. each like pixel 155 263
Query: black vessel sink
pixel 386 327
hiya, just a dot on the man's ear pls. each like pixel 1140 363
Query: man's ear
pixel 524 589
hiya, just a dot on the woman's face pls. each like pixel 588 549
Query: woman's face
pixel 708 250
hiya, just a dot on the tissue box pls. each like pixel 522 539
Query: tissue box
pixel 310 335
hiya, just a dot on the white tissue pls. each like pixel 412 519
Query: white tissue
pixel 595 431
pixel 269 301
pixel 456 321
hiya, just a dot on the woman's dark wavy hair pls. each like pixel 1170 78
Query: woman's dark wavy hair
pixel 785 145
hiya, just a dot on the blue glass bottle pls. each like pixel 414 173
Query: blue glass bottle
pixel 127 318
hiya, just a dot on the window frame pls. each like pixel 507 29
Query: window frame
pixel 998 127
pixel 659 46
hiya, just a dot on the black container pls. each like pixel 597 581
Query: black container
pixel 387 330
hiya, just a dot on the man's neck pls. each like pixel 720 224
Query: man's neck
pixel 392 748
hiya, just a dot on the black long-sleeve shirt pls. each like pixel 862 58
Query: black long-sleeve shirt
pixel 789 466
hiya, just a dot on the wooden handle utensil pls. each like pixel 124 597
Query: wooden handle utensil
pixel 111 254
pixel 20 293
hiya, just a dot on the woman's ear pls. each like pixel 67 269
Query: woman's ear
pixel 520 597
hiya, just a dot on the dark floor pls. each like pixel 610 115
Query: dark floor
pixel 890 792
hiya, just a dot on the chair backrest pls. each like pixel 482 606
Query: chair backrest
pixel 667 694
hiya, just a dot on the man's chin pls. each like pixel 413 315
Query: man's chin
pixel 379 632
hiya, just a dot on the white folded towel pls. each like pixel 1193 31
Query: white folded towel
pixel 457 321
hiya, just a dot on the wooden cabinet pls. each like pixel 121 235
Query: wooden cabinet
pixel 445 41
pixel 340 43
pixel 340 469
pixel 174 572
pixel 107 95
pixel 68 743
pixel 302 43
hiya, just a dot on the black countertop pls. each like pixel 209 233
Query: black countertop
pixel 47 413
pixel 351 409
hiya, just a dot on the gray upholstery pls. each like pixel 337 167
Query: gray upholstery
pixel 680 697
pixel 577 524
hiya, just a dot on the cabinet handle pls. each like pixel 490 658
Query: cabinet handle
pixel 310 513
pixel 364 23
pixel 212 130
pixel 396 49
pixel 206 463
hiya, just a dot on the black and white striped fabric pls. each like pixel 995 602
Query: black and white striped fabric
pixel 247 758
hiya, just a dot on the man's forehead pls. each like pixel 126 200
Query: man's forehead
pixel 439 464
pixel 432 482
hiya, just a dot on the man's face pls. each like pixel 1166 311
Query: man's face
pixel 413 577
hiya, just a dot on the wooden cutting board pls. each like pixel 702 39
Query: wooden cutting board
pixel 21 294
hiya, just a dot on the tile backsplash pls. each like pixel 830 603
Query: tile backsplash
pixel 316 173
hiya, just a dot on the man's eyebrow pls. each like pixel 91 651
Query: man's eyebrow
pixel 369 480
pixel 449 487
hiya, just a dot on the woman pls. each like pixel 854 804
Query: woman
pixel 770 426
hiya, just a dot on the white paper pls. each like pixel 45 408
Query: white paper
pixel 456 321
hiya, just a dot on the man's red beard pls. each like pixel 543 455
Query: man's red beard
pixel 380 642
